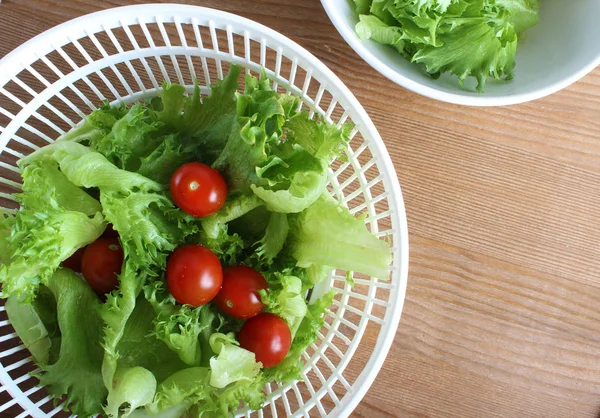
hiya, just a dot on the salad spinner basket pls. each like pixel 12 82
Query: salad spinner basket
pixel 50 83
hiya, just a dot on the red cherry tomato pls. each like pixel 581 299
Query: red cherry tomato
pixel 239 295
pixel 198 189
pixel 74 262
pixel 101 263
pixel 268 337
pixel 194 275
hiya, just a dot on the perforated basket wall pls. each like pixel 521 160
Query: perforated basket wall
pixel 123 55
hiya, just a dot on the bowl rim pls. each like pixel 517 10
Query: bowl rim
pixel 460 99
pixel 48 40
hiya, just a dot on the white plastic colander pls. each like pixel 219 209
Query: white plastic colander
pixel 123 55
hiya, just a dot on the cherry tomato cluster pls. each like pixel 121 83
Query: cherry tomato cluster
pixel 194 273
pixel 195 277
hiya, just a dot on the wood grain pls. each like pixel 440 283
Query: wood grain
pixel 502 314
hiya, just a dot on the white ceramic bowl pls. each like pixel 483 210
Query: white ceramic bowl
pixel 561 49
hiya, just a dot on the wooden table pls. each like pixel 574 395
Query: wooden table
pixel 502 316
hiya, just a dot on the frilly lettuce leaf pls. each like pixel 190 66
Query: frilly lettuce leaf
pixel 42 177
pixel 184 387
pixel 190 389
pixel 292 180
pixel 524 14
pixel 362 6
pixel 371 27
pixel 285 298
pixel 43 232
pixel 128 343
pixel 131 347
pixel 165 159
pixel 247 392
pixel 287 172
pixel 233 208
pixel 76 374
pixel 87 168
pixel 148 223
pixel 316 273
pixel 143 221
pixel 96 125
pixel 198 114
pixel 323 141
pixel 261 114
pixel 228 247
pixel 424 6
pixel 177 411
pixel 30 328
pixel 133 386
pixel 232 362
pixel 115 313
pixel 306 334
pixel 496 49
pixel 186 332
pixel 467 38
pixel 327 234
pixel 45 307
pixel 7 221
pixel 274 239
pixel 132 137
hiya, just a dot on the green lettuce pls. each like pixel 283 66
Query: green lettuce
pixel 292 180
pixel 186 330
pixel 131 138
pixel 523 13
pixel 165 159
pixel 198 115
pixel 30 328
pixel 148 223
pixel 185 387
pixel 115 313
pixel 327 234
pixel 497 47
pixel 7 221
pixel 287 173
pixel 146 231
pixel 317 273
pixel 140 353
pixel 45 178
pixel 232 362
pixel 96 125
pixel 87 168
pixel 362 6
pixel 137 359
pixel 371 27
pixel 323 141
pixel 190 390
pixel 467 38
pixel 291 367
pixel 44 232
pixel 274 239
pixel 229 248
pixel 76 373
pixel 233 208
pixel 134 386
pixel 285 298
pixel 261 114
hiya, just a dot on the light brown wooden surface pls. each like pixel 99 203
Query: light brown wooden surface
pixel 502 316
